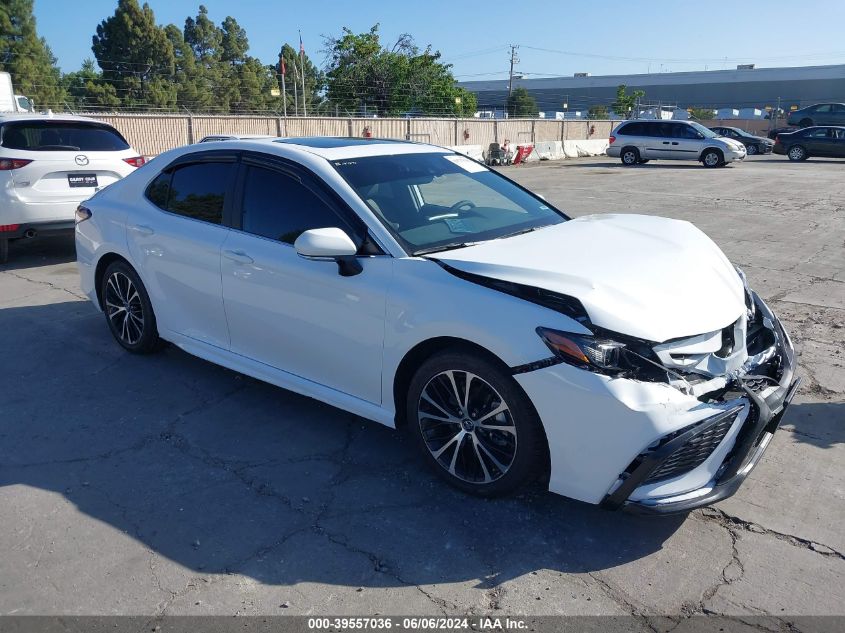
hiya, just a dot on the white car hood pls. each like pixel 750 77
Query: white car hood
pixel 645 276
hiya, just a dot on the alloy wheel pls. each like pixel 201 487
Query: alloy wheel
pixel 124 308
pixel 629 158
pixel 796 153
pixel 751 149
pixel 711 159
pixel 467 426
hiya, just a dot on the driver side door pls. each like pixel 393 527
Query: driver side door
pixel 294 314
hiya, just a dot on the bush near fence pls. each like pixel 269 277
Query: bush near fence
pixel 154 134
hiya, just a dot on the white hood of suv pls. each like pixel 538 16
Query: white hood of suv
pixel 645 276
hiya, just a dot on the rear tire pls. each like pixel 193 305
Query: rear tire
pixel 4 251
pixel 712 158
pixel 806 123
pixel 797 153
pixel 129 312
pixel 629 156
pixel 474 425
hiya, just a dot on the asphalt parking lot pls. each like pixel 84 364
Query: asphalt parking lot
pixel 164 484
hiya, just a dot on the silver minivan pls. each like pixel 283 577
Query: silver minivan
pixel 639 141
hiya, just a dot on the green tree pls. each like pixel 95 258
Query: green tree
pixel 27 57
pixel 597 112
pixel 137 57
pixel 701 114
pixel 364 76
pixel 521 104
pixel 87 91
pixel 625 103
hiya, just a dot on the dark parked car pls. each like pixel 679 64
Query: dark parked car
pixel 753 144
pixel 812 141
pixel 819 114
pixel 772 134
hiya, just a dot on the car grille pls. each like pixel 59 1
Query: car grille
pixel 693 452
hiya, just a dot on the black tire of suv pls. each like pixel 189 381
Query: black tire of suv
pixel 629 156
pixel 806 123
pixel 149 341
pixel 4 250
pixel 531 457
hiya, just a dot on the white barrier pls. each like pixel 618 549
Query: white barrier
pixel 592 147
pixel 475 152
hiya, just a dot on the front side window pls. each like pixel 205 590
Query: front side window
pixel 706 132
pixel 197 190
pixel 69 136
pixel 435 201
pixel 684 131
pixel 279 207
pixel 823 109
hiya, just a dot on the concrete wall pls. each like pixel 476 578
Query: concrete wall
pixel 154 134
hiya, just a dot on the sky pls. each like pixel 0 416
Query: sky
pixel 555 38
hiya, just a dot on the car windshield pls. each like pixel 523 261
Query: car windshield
pixel 436 201
pixel 707 132
pixel 45 136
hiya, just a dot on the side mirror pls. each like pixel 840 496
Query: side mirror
pixel 330 243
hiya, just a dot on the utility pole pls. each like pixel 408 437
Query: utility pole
pixel 514 60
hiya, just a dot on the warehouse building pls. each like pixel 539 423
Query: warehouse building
pixel 743 88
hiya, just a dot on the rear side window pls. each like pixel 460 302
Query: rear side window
pixel 196 190
pixel 631 129
pixel 279 207
pixel 73 136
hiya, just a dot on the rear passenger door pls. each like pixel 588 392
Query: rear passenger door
pixel 174 236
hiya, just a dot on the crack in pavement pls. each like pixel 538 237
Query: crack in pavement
pixel 49 284
pixel 731 522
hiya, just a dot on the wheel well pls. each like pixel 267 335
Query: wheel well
pixel 104 262
pixel 627 147
pixel 418 355
pixel 707 149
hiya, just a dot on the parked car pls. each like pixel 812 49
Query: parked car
pixel 819 114
pixel 753 144
pixel 637 142
pixel 772 134
pixel 233 137
pixel 48 165
pixel 812 141
pixel 411 285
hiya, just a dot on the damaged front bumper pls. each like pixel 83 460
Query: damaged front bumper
pixel 699 446
pixel 765 409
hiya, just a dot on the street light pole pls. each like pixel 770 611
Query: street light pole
pixel 514 60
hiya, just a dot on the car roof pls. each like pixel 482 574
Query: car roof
pixel 330 147
pixel 30 116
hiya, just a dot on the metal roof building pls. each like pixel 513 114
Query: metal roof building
pixel 739 88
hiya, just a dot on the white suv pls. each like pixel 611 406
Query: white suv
pixel 48 165
pixel 636 142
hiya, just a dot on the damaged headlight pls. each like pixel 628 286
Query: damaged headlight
pixel 605 354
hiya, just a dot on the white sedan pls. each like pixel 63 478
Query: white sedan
pixel 621 359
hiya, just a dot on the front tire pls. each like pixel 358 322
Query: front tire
pixel 129 312
pixel 712 158
pixel 474 425
pixel 752 149
pixel 797 153
pixel 630 156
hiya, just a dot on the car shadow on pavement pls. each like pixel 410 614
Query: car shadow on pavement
pixel 224 474
pixel 40 251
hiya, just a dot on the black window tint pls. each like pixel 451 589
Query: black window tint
pixel 158 190
pixel 46 136
pixel 631 129
pixel 198 191
pixel 280 207
pixel 651 129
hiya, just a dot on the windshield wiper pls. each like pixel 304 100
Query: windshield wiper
pixel 533 228
pixel 445 247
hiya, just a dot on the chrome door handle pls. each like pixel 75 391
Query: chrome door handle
pixel 141 229
pixel 674 142
pixel 238 256
pixel 665 142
